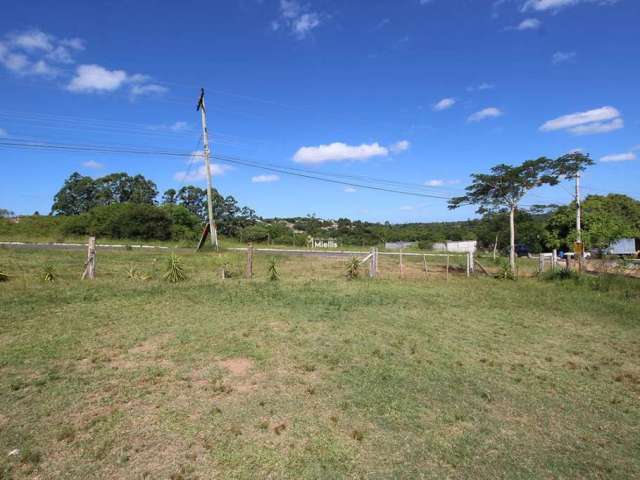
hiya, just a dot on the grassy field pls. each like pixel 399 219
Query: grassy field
pixel 312 376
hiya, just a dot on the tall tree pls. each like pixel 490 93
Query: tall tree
pixel 77 195
pixel 504 188
pixel 193 199
pixel 169 197
pixel 122 188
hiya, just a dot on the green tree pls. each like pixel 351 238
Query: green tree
pixel 122 188
pixel 504 188
pixel 77 195
pixel 169 197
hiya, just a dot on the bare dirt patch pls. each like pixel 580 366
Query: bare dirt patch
pixel 237 366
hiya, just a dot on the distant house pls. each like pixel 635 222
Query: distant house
pixel 463 246
pixel 625 246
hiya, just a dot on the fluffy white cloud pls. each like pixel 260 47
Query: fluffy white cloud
pixel 529 24
pixel 94 78
pixel 599 120
pixel 545 5
pixel 339 152
pixel 264 178
pixel 491 112
pixel 92 164
pixel 32 52
pixel 297 18
pixel 562 57
pixel 619 157
pixel 444 104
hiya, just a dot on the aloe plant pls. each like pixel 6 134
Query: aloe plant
pixel 272 270
pixel 353 269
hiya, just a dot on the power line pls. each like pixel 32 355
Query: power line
pixel 221 158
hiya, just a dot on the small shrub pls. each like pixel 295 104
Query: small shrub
pixel 226 271
pixel 3 277
pixel 353 269
pixel 272 270
pixel 504 272
pixel 175 270
pixel 561 275
pixel 48 273
pixel 134 274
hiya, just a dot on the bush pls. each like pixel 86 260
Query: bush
pixel 122 220
pixel 185 224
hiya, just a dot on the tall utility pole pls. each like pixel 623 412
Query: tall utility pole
pixel 205 141
pixel 580 252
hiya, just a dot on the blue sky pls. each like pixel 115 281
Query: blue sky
pixel 424 92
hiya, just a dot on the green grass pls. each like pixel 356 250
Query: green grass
pixel 313 376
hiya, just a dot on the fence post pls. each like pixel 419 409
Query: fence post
pixel 372 263
pixel 468 265
pixel 541 263
pixel 249 272
pixel 401 265
pixel 447 267
pixel 554 260
pixel 426 271
pixel 90 265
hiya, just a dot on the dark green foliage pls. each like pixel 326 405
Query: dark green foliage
pixel 174 272
pixel 123 220
pixel 80 194
pixel 505 272
pixel 561 275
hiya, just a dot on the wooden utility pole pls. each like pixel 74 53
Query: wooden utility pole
pixel 205 141
pixel 580 249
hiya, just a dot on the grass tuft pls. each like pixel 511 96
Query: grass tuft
pixel 48 273
pixel 175 270
pixel 353 269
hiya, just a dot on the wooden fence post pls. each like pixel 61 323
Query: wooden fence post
pixel 447 267
pixel 373 265
pixel 401 265
pixel 554 260
pixel 468 265
pixel 90 264
pixel 541 263
pixel 249 272
pixel 426 271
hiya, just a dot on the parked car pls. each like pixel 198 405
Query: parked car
pixel 522 251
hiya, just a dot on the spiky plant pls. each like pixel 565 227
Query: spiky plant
pixel 3 277
pixel 272 270
pixel 353 269
pixel 134 274
pixel 48 273
pixel 175 270
pixel 505 272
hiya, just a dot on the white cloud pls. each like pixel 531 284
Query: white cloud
pixel 93 164
pixel 399 147
pixel 491 112
pixel 598 127
pixel 339 152
pixel 562 57
pixel 264 178
pixel 545 5
pixel 444 104
pixel 200 174
pixel 599 120
pixel 32 52
pixel 619 157
pixel 94 78
pixel 299 20
pixel 149 89
pixel 529 24
pixel 350 190
pixel 434 183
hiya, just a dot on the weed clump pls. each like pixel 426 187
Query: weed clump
pixel 3 277
pixel 353 269
pixel 48 273
pixel 272 270
pixel 175 270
